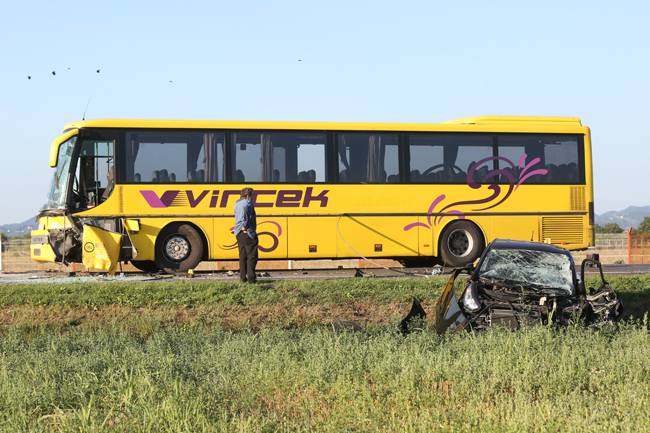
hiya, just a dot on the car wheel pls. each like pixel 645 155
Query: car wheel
pixel 179 248
pixel 147 266
pixel 461 243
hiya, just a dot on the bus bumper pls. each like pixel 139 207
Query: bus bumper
pixel 40 249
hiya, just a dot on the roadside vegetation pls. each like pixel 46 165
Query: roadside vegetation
pixel 198 355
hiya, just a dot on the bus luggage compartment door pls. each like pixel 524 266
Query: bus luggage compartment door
pixel 375 236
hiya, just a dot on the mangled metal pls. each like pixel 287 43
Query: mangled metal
pixel 519 284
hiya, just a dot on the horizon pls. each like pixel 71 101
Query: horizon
pixel 419 63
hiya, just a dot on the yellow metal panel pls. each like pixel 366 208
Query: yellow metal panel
pixel 225 244
pixel 484 124
pixel 360 235
pixel 501 120
pixel 101 249
pixel 524 228
pixel 425 237
pixel 144 241
pixel 272 235
pixel 54 148
pixel 318 232
pixel 132 225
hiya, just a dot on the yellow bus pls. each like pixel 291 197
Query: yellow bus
pixel 160 193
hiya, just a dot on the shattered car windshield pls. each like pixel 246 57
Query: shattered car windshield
pixel 534 268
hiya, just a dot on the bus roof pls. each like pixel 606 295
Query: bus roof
pixel 470 124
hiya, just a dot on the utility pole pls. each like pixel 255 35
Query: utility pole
pixel 0 253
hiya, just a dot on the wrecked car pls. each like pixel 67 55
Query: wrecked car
pixel 518 283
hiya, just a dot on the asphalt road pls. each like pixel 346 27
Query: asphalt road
pixel 44 277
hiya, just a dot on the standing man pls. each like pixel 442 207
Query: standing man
pixel 245 231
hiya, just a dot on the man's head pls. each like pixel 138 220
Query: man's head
pixel 247 192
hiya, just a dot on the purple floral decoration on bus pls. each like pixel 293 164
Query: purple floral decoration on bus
pixel 514 175
pixel 275 237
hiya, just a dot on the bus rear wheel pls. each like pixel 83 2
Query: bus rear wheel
pixel 461 243
pixel 179 248
pixel 147 266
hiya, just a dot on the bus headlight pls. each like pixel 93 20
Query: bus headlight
pixel 470 298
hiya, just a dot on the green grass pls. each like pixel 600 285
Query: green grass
pixel 202 292
pixel 145 370
pixel 186 379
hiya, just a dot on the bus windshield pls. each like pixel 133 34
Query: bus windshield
pixel 59 189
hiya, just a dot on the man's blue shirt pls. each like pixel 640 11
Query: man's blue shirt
pixel 245 217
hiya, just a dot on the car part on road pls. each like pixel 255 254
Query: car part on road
pixel 519 284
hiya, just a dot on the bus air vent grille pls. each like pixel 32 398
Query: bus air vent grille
pixel 578 198
pixel 563 230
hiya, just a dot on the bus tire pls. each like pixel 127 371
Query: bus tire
pixel 179 248
pixel 147 266
pixel 461 242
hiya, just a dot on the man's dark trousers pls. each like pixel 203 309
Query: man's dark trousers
pixel 247 257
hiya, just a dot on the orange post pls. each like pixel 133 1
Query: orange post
pixel 629 246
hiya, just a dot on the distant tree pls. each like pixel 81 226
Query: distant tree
pixel 644 227
pixel 609 228
pixel 3 237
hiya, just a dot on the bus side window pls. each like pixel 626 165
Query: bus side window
pixel 173 157
pixel 278 157
pixel 449 158
pixel 368 158
pixel 559 155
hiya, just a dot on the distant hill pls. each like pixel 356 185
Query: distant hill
pixel 631 216
pixel 18 229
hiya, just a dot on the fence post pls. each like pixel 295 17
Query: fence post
pixel 0 254
pixel 629 246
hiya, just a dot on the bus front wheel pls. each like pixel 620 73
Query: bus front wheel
pixel 179 248
pixel 461 243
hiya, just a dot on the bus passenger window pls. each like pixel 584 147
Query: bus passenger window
pixel 368 158
pixel 174 157
pixel 449 158
pixel 278 157
pixel 559 155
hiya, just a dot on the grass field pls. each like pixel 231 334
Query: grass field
pixel 217 356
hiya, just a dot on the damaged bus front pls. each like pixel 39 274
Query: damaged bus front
pixel 83 178
pixel 519 284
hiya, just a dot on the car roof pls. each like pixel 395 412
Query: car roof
pixel 505 244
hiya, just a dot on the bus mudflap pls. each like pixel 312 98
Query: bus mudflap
pixel 101 249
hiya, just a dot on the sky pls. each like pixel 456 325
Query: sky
pixel 406 61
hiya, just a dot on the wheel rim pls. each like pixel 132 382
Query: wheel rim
pixel 177 248
pixel 460 243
